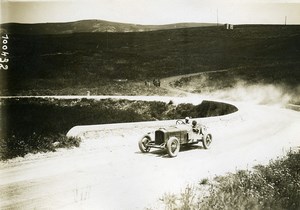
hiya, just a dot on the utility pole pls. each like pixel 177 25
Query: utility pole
pixel 217 17
pixel 285 20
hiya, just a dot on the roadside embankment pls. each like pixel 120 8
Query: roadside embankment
pixel 213 113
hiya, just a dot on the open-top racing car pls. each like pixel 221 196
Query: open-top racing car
pixel 172 137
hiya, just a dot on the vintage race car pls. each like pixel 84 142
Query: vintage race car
pixel 172 137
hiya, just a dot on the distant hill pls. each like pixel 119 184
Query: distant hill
pixel 65 63
pixel 89 26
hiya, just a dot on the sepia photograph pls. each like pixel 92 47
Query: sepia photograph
pixel 150 105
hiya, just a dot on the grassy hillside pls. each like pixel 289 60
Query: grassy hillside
pixel 274 186
pixel 51 63
pixel 89 26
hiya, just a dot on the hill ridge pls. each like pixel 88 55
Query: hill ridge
pixel 90 26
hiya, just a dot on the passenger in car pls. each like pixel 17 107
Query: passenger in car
pixel 195 127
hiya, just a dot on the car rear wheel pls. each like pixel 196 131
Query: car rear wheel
pixel 180 122
pixel 143 144
pixel 207 141
pixel 173 146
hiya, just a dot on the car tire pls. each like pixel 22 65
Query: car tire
pixel 173 146
pixel 180 122
pixel 207 141
pixel 143 144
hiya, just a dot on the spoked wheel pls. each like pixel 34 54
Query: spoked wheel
pixel 207 141
pixel 143 144
pixel 180 122
pixel 173 146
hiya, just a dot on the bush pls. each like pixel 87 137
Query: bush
pixel 19 146
pixel 275 186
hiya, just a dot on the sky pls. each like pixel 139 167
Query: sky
pixel 153 12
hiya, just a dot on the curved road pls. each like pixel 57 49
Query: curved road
pixel 109 172
pixel 167 81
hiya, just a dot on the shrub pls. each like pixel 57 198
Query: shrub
pixel 19 146
pixel 68 142
pixel 275 186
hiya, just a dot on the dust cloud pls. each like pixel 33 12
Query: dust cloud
pixel 265 94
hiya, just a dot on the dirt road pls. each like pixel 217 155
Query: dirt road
pixel 179 92
pixel 109 172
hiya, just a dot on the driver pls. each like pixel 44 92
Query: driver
pixel 187 120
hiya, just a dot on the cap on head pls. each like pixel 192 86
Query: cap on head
pixel 187 119
pixel 194 122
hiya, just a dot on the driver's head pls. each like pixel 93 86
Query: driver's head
pixel 194 123
pixel 187 119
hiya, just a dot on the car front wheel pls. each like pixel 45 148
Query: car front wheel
pixel 207 141
pixel 143 144
pixel 173 146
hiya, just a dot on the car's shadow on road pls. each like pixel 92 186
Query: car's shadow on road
pixel 164 154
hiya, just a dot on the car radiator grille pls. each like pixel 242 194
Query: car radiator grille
pixel 159 137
